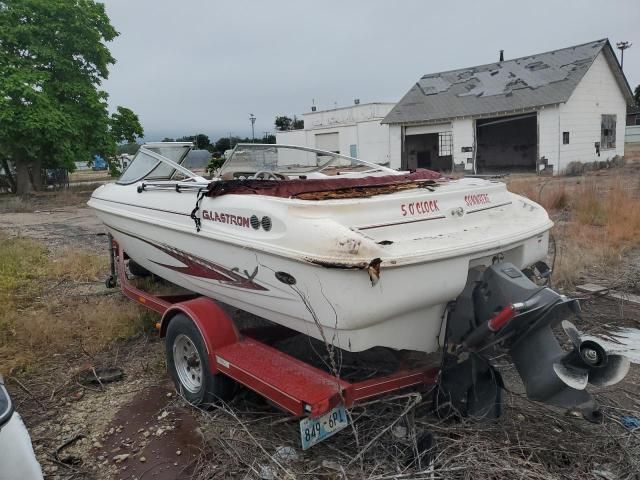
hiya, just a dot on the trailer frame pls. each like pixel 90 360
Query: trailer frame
pixel 293 385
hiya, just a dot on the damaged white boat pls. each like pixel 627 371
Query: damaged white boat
pixel 304 237
pixel 362 256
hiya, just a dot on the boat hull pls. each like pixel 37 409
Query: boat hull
pixel 404 309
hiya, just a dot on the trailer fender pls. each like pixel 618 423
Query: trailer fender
pixel 215 326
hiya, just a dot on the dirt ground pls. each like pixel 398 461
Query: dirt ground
pixel 70 226
pixel 138 428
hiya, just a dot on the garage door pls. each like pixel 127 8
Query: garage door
pixel 328 141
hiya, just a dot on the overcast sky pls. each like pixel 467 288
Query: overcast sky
pixel 203 66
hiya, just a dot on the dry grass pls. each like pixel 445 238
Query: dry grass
pixel 552 195
pixel 532 442
pixel 30 335
pixel 15 204
pixel 47 308
pixel 79 266
pixel 21 263
pixel 90 176
pixel 597 220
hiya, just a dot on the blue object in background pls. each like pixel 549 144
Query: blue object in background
pixel 99 163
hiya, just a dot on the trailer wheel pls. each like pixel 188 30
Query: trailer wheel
pixel 188 364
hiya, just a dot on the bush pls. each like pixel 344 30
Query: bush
pixel 574 169
pixel 618 162
pixel 214 165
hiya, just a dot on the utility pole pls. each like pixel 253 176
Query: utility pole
pixel 622 46
pixel 252 119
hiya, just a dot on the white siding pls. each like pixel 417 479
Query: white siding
pixel 292 137
pixel 463 133
pixel 598 93
pixel 357 125
pixel 346 115
pixel 549 136
pixel 395 146
pixel 373 142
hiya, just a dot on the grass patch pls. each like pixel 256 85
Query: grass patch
pixel 589 204
pixel 15 204
pixel 597 220
pixel 552 195
pixel 22 262
pixel 69 327
pixel 79 266
pixel 42 312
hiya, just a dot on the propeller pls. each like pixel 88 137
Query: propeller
pixel 589 362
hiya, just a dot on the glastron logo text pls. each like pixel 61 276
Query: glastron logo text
pixel 226 218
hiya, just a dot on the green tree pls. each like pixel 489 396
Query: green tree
pixel 214 165
pixel 53 59
pixel 297 124
pixel 167 139
pixel 125 126
pixel 636 95
pixel 283 123
pixel 227 143
pixel 223 144
pixel 200 140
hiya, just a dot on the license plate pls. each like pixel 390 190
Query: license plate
pixel 314 430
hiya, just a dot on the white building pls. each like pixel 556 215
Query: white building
pixel 534 112
pixel 355 131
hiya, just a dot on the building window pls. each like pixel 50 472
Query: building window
pixel 353 151
pixel 608 132
pixel 565 138
pixel 445 144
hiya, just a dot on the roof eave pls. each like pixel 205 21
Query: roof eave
pixel 497 113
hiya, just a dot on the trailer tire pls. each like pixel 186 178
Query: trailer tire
pixel 188 365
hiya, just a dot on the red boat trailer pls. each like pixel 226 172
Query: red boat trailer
pixel 293 385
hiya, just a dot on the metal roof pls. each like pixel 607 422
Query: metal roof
pixel 514 85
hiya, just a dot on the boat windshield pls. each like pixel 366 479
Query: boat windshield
pixel 247 160
pixel 148 164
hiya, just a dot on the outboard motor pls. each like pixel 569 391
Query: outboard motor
pixel 501 309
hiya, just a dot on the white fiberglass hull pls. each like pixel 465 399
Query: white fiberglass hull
pixel 423 269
